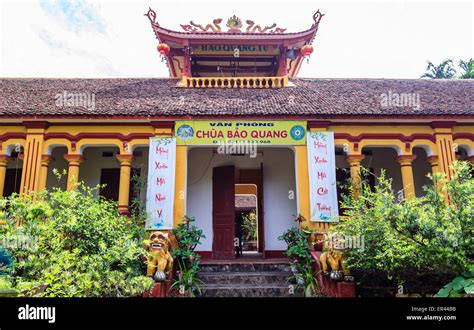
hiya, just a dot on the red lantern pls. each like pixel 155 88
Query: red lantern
pixel 306 50
pixel 163 49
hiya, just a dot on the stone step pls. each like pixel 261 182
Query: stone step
pixel 248 278
pixel 219 290
pixel 245 267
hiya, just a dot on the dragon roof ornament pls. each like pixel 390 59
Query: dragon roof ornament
pixel 234 25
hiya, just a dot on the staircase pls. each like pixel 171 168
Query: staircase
pixel 246 278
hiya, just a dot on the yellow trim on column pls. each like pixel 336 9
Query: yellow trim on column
pixel 406 169
pixel 302 182
pixel 180 184
pixel 74 161
pixel 124 187
pixel 30 178
pixel 445 146
pixel 354 164
pixel 45 161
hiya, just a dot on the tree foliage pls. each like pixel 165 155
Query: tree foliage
pixel 467 68
pixel 73 243
pixel 408 237
pixel 444 70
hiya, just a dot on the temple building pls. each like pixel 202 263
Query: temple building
pixel 232 135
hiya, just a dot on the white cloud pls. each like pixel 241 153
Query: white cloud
pixel 390 39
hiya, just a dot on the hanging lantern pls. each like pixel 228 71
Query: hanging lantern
pixel 306 51
pixel 163 49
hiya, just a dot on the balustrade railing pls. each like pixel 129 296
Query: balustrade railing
pixel 235 82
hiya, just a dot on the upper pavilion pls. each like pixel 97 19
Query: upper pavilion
pixel 232 53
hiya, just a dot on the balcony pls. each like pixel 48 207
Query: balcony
pixel 234 82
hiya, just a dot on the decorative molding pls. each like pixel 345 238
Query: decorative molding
pixel 74 158
pixel 80 136
pixel 163 124
pixel 318 124
pixel 12 135
pixel 355 160
pixel 468 136
pixel 405 159
pixel 385 136
pixel 442 124
pixel 36 124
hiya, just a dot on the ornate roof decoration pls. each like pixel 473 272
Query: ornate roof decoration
pixel 317 18
pixel 151 14
pixel 234 24
pixel 237 30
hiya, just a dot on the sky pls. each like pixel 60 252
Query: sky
pixel 106 39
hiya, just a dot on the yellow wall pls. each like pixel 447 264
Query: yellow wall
pixel 352 138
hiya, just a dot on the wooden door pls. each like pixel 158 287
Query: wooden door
pixel 223 212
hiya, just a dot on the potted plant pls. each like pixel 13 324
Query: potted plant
pixel 298 251
pixel 187 260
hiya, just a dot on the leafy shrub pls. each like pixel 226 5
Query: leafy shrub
pixel 406 238
pixel 73 243
pixel 298 251
pixel 460 286
pixel 187 237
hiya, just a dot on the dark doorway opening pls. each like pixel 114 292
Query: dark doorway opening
pixel 12 181
pixel 110 177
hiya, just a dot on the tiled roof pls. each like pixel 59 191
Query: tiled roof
pixel 308 97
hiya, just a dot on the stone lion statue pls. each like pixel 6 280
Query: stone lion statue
pixel 333 264
pixel 160 261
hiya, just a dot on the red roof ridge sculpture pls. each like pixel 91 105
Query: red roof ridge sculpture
pixel 234 25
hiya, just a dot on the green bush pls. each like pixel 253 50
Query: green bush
pixel 404 238
pixel 461 286
pixel 73 243
pixel 298 251
pixel 187 237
